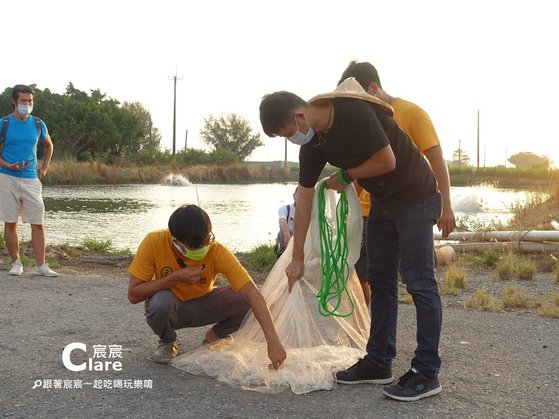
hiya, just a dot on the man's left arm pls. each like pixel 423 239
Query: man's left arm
pixel 381 162
pixel 47 156
pixel 447 220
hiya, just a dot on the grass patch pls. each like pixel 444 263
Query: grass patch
pixel 512 264
pixel 514 297
pixel 548 306
pixel 505 267
pixel 405 298
pixel 98 245
pixel 259 261
pixel 27 260
pixel 454 280
pixel 546 263
pixel 525 268
pixel 53 262
pixel 486 259
pixel 71 251
pixel 2 241
pixel 482 300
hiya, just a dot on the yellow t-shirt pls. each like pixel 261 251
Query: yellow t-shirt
pixel 415 122
pixel 156 258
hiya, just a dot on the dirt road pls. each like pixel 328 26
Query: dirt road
pixel 494 364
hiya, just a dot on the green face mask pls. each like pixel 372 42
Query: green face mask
pixel 197 254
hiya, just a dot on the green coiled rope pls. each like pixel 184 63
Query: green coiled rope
pixel 334 268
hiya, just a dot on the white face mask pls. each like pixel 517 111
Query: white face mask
pixel 23 109
pixel 299 138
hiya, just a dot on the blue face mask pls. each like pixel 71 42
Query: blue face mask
pixel 299 138
pixel 23 109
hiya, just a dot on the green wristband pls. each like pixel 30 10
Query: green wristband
pixel 341 177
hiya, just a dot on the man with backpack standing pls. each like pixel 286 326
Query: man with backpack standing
pixel 286 215
pixel 20 177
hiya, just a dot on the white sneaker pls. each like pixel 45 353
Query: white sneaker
pixel 45 270
pixel 17 268
pixel 164 354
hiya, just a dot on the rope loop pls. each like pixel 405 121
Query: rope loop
pixel 334 253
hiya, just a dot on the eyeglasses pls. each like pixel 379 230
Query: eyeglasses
pixel 182 248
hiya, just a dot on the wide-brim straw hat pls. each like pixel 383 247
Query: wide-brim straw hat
pixel 350 88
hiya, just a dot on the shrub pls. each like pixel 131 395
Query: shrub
pixel 525 268
pixel 454 280
pixel 514 297
pixel 405 298
pixel 548 307
pixel 546 263
pixel 490 258
pixel 482 300
pixel 505 268
pixel 511 264
pixel 223 156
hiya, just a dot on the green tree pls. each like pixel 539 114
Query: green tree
pixel 91 125
pixel 151 137
pixel 460 158
pixel 230 132
pixel 527 159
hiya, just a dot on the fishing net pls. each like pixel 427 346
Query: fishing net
pixel 317 345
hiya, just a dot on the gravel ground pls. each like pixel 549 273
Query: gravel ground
pixel 495 364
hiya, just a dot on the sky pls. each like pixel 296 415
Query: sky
pixel 453 58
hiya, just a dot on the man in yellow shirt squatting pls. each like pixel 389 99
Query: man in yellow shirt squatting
pixel 175 270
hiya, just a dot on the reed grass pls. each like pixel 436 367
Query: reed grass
pixel 96 173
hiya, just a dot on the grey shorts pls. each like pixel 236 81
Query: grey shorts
pixel 21 197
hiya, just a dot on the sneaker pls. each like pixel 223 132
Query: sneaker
pixel 413 386
pixel 363 372
pixel 17 268
pixel 45 270
pixel 164 354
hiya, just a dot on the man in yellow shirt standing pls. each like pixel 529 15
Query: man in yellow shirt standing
pixel 175 271
pixel 417 124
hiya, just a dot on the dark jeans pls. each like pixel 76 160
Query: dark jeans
pixel 361 264
pixel 403 238
pixel 165 313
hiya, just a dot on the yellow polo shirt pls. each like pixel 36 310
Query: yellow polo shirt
pixel 156 258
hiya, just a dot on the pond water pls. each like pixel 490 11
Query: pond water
pixel 243 216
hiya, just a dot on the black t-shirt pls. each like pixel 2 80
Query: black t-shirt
pixel 359 130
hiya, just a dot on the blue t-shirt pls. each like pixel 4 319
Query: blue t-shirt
pixel 20 145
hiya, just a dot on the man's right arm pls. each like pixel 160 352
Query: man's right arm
pixel 296 267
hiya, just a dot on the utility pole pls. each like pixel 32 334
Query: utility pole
pixel 185 140
pixel 285 155
pixel 459 153
pixel 175 78
pixel 478 137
